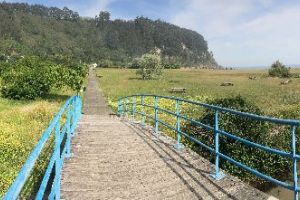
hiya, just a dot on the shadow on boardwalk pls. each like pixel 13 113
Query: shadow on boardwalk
pixel 180 163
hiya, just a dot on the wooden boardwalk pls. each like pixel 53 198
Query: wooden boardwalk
pixel 113 159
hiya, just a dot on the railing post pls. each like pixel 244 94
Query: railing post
pixel 122 108
pixel 143 110
pixel 57 161
pixel 217 175
pixel 178 144
pixel 73 114
pixel 119 107
pixel 68 124
pixel 156 114
pixel 295 175
pixel 132 108
pixel 79 107
pixel 126 103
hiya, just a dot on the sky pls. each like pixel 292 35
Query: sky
pixel 240 33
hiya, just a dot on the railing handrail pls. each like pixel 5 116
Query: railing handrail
pixel 73 108
pixel 294 124
pixel 228 110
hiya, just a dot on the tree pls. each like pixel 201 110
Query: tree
pixel 149 66
pixel 279 70
pixel 102 19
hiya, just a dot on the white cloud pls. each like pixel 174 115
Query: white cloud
pixel 248 32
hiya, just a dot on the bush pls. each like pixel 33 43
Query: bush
pixel 105 63
pixel 26 79
pixel 31 77
pixel 246 128
pixel 135 64
pixel 170 64
pixel 279 70
pixel 149 66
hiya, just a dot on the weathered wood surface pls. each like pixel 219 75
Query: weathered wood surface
pixel 113 159
pixel 178 90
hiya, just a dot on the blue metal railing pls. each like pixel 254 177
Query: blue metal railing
pixel 294 124
pixel 62 148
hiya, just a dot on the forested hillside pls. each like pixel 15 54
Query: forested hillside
pixel 38 30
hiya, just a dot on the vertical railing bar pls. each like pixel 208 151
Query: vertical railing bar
pixel 143 110
pixel 57 161
pixel 295 175
pixel 217 175
pixel 156 113
pixel 126 104
pixel 178 145
pixel 68 142
pixel 133 108
pixel 119 107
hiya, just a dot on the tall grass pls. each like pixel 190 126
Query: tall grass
pixel 21 126
pixel 272 97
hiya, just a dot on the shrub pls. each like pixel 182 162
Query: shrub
pixel 31 77
pixel 135 64
pixel 150 66
pixel 105 63
pixel 246 128
pixel 170 64
pixel 279 70
pixel 26 79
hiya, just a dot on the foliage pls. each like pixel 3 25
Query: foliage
pixel 20 130
pixel 246 128
pixel 32 77
pixel 149 66
pixel 105 63
pixel 26 79
pixel 38 30
pixel 279 70
pixel 170 64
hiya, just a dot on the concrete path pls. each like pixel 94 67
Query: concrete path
pixel 117 160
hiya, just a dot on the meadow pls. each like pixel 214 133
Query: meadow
pixel 266 92
pixel 21 125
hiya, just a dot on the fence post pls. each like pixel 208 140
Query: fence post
pixel 119 107
pixel 217 175
pixel 73 114
pixel 68 142
pixel 156 113
pixel 143 111
pixel 178 144
pixel 295 175
pixel 132 107
pixel 57 161
pixel 126 102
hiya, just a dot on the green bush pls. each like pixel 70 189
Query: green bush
pixel 105 63
pixel 149 66
pixel 32 77
pixel 26 79
pixel 135 64
pixel 255 131
pixel 279 70
pixel 170 64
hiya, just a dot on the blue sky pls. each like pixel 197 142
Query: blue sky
pixel 239 32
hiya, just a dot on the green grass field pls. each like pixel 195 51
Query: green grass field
pixel 21 125
pixel 272 97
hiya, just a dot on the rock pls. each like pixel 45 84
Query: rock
pixel 227 84
pixel 285 82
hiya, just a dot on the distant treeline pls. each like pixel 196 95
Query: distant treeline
pixel 42 31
